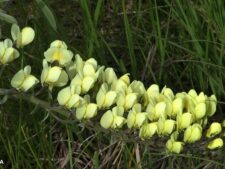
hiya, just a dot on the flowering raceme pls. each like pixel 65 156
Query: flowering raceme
pixel 95 92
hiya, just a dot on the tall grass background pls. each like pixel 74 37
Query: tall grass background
pixel 177 43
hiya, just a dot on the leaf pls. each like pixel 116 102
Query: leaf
pixel 7 18
pixel 47 13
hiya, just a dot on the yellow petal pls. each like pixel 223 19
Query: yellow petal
pixel 80 112
pixel 216 143
pixel 214 129
pixel 130 100
pixel 110 98
pixel 91 111
pixel 87 83
pixel 53 74
pixel 107 119
pixel 27 36
pixel 29 82
pixel 64 96
pixel 131 118
pixel 18 79
pixel 62 80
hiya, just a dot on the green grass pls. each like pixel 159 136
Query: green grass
pixel 180 44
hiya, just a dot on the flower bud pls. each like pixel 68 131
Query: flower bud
pixel 193 133
pixel 214 129
pixel 148 130
pixel 216 143
pixel 23 80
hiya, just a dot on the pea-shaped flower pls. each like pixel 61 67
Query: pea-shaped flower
pixel 136 118
pixel 193 133
pixel 148 130
pixel 121 84
pixel 200 111
pixel 53 76
pixel 86 111
pixel 126 100
pixel 153 92
pixel 105 98
pixel 165 126
pixel 137 87
pixel 84 83
pixel 216 143
pixel 157 111
pixel 7 52
pixel 184 120
pixel 174 146
pixel 109 75
pixel 168 93
pixel 68 97
pixel 23 37
pixel 23 80
pixel 177 105
pixel 112 119
pixel 214 129
pixel 58 52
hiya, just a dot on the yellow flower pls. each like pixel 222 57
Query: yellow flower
pixel 165 127
pixel 112 119
pixel 214 129
pixel 174 146
pixel 193 133
pixel 153 92
pixel 7 52
pixel 200 111
pixel 86 111
pixel 184 120
pixel 136 118
pixel 126 101
pixel 157 111
pixel 23 37
pixel 216 143
pixel 105 98
pixel 109 75
pixel 177 105
pixel 23 80
pixel 68 97
pixel 58 52
pixel 148 130
pixel 53 76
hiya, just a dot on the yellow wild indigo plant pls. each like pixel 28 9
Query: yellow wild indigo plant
pixel 92 92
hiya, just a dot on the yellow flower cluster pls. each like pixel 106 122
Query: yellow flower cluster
pixel 95 90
